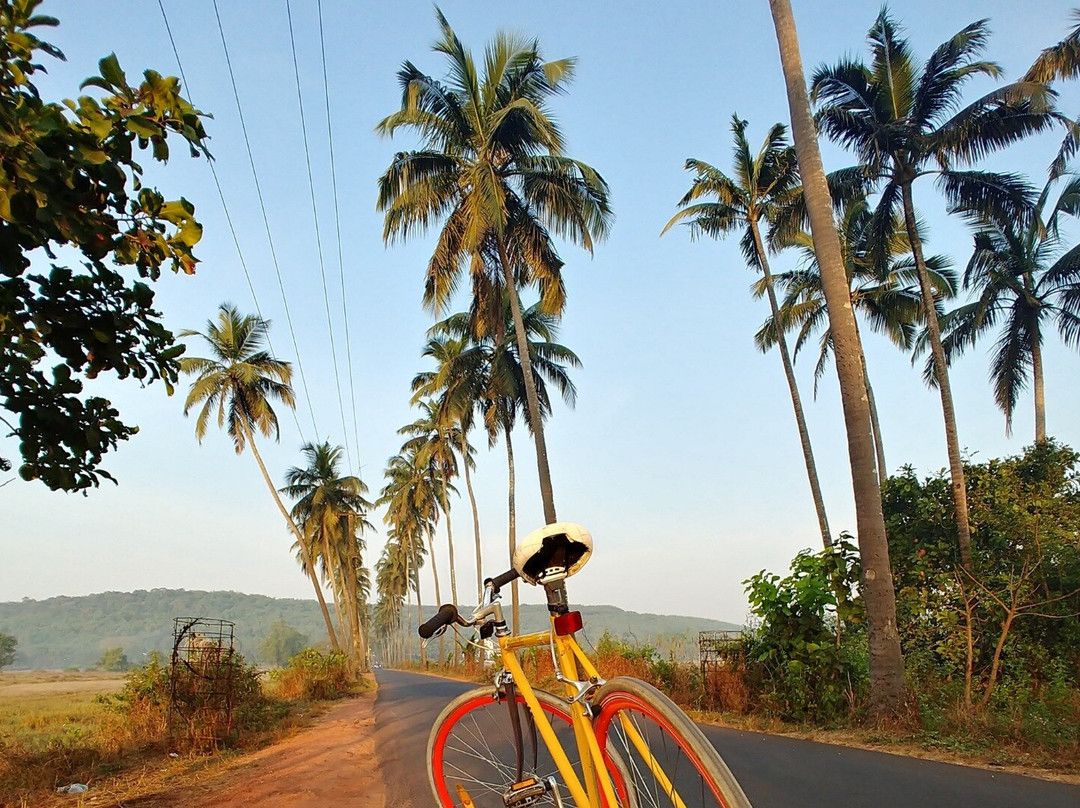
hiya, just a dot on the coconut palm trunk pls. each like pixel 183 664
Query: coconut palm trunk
pixel 793 388
pixel 304 549
pixel 941 375
pixel 475 516
pixel 886 659
pixel 443 501
pixel 1037 389
pixel 435 577
pixel 515 608
pixel 875 423
pixel 532 401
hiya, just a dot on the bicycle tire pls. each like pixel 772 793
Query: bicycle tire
pixel 701 778
pixel 470 744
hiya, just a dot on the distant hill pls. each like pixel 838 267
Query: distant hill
pixel 66 632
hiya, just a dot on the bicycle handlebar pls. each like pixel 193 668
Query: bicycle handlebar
pixel 499 581
pixel 446 615
pixel 448 612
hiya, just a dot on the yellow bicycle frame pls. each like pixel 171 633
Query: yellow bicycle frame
pixel 597 789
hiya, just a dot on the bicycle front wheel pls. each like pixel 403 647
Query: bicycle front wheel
pixel 666 759
pixel 472 756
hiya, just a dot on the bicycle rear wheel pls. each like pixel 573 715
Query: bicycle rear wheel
pixel 471 748
pixel 668 761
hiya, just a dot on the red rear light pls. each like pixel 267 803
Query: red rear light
pixel 568 623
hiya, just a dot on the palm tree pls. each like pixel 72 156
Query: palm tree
pixel 396 575
pixel 903 123
pixel 1059 61
pixel 716 205
pixel 434 438
pixel 457 386
pixel 886 658
pixel 888 298
pixel 239 382
pixel 491 167
pixel 332 510
pixel 411 496
pixel 497 382
pixel 1023 280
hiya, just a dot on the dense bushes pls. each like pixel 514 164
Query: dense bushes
pixel 313 674
pixel 806 657
pixel 998 645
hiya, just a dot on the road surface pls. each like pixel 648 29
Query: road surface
pixel 775 772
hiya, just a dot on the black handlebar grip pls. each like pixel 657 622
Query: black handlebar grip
pixel 446 615
pixel 499 581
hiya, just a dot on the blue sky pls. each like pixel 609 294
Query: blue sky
pixel 681 456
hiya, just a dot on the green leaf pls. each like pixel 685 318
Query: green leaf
pixel 111 72
pixel 94 156
pixel 142 127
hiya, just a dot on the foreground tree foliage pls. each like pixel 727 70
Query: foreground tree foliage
pixel 72 200
pixel 1004 637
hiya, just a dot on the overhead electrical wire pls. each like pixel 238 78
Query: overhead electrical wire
pixel 318 232
pixel 337 232
pixel 224 205
pixel 266 218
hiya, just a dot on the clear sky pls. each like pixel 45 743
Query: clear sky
pixel 682 455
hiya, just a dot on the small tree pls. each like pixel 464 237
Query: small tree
pixel 282 643
pixel 7 649
pixel 114 660
pixel 796 655
pixel 70 179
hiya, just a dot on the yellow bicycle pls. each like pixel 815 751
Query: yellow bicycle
pixel 619 743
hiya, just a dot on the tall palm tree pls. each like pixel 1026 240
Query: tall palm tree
pixel 239 382
pixel 411 496
pixel 886 658
pixel 491 168
pixel 888 298
pixel 497 382
pixel 457 386
pixel 903 122
pixel 434 438
pixel 332 510
pixel 717 205
pixel 1023 280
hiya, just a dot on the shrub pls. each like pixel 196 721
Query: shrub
pixel 312 674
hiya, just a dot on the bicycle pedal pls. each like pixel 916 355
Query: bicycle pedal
pixel 525 793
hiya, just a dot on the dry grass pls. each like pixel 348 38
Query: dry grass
pixel 54 731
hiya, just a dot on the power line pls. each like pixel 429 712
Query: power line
pixel 225 208
pixel 337 231
pixel 318 233
pixel 266 218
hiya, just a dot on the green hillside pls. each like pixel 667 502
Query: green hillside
pixel 66 632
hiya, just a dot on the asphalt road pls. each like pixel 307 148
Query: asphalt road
pixel 775 772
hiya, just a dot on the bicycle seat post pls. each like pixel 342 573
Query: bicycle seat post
pixel 556 597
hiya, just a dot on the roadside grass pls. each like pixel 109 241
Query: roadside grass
pixel 74 732
pixel 954 737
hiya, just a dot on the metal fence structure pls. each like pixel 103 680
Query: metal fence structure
pixel 722 655
pixel 204 674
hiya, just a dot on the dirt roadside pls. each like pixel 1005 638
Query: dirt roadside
pixel 332 762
